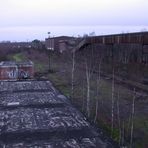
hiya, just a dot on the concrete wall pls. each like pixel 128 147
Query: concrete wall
pixel 54 43
pixel 16 71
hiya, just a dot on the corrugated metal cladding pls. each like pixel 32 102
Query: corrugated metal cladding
pixel 137 38
pixel 16 70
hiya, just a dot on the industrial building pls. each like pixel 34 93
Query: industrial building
pixel 60 43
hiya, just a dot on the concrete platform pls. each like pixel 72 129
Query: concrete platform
pixel 34 114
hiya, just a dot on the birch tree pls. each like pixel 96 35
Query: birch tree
pixel 132 120
pixel 72 74
pixel 119 121
pixel 112 112
pixel 98 86
pixel 83 96
pixel 88 74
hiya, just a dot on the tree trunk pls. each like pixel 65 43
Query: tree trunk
pixel 119 121
pixel 72 74
pixel 98 86
pixel 132 122
pixel 112 115
pixel 88 90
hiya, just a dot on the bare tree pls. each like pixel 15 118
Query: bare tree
pixel 112 115
pixel 98 86
pixel 72 74
pixel 83 96
pixel 132 120
pixel 119 121
pixel 88 74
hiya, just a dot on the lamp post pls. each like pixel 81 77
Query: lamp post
pixel 49 34
pixel 49 52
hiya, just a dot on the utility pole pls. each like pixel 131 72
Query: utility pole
pixel 49 52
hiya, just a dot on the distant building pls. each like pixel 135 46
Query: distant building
pixel 16 70
pixel 125 48
pixel 60 43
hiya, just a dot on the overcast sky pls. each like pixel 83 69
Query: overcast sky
pixel 30 13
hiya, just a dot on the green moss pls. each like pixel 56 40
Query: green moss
pixel 18 57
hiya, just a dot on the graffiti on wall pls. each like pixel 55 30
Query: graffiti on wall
pixel 15 73
pixel 12 74
pixel 23 74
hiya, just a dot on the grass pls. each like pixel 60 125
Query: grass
pixel 19 57
pixel 62 82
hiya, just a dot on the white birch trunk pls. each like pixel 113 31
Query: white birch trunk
pixel 132 122
pixel 112 115
pixel 119 121
pixel 98 86
pixel 88 90
pixel 83 96
pixel 72 74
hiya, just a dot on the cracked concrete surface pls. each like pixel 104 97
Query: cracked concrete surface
pixel 34 114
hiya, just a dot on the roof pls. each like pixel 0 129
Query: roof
pixel 14 63
pixel 59 37
pixel 121 34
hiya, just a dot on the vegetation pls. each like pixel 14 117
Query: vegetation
pixel 110 105
pixel 19 57
pixel 117 114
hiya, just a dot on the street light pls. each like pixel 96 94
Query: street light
pixel 49 52
pixel 49 34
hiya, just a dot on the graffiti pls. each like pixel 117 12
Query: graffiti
pixel 10 70
pixel 15 73
pixel 12 74
pixel 23 74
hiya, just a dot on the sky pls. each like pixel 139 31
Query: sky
pixel 28 19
